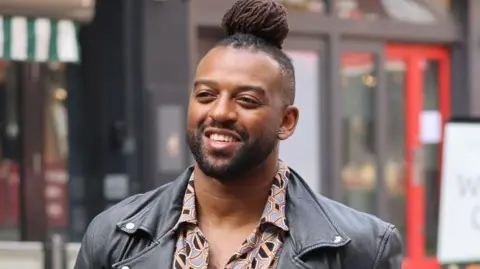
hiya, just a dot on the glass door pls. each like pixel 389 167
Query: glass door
pixel 418 105
pixel 363 126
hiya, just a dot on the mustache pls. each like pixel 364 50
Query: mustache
pixel 230 126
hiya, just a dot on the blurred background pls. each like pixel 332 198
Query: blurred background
pixel 93 99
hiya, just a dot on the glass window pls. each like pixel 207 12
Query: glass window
pixel 359 178
pixel 317 6
pixel 305 159
pixel 9 152
pixel 171 150
pixel 394 168
pixel 414 11
pixel 55 144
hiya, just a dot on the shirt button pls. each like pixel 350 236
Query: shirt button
pixel 337 239
pixel 129 226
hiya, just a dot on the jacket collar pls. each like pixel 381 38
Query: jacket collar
pixel 308 220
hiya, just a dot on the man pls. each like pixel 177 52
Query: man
pixel 239 206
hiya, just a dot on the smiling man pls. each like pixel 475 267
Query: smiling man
pixel 239 206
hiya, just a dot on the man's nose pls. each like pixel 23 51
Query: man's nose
pixel 223 110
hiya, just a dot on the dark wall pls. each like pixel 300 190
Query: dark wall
pixel 97 110
pixel 129 98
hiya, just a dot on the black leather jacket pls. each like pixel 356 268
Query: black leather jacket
pixel 137 233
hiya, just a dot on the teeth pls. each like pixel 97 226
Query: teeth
pixel 221 138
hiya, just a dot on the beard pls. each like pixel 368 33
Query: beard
pixel 223 167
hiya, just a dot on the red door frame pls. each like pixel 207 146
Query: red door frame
pixel 413 55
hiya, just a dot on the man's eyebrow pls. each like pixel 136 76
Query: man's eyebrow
pixel 213 84
pixel 245 88
pixel 206 82
pixel 239 88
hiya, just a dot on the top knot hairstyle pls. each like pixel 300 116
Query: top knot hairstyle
pixel 261 25
pixel 264 19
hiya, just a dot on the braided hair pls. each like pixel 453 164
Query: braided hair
pixel 261 25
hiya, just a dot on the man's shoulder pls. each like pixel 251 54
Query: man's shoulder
pixel 108 228
pixel 371 238
pixel 355 223
pixel 366 240
pixel 128 207
pixel 145 216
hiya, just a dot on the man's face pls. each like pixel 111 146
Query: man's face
pixel 236 111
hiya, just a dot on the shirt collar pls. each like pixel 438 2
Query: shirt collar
pixel 273 213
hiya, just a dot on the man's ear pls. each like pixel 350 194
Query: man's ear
pixel 289 123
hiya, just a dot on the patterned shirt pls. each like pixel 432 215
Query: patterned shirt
pixel 261 248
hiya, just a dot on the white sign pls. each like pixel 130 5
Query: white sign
pixel 430 127
pixel 459 224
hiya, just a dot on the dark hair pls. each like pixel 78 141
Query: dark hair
pixel 261 25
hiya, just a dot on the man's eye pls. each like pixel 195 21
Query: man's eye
pixel 204 94
pixel 248 101
pixel 204 97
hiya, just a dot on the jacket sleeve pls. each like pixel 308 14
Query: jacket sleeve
pixel 390 253
pixel 86 258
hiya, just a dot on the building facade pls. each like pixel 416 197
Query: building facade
pixel 375 82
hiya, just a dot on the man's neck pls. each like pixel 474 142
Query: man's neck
pixel 235 203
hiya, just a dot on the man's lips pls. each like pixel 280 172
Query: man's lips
pixel 221 140
pixel 222 135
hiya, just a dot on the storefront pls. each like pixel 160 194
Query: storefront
pixel 375 82
pixel 38 45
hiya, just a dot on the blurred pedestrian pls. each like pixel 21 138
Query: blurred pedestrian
pixel 239 206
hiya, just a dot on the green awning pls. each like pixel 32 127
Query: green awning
pixel 38 39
